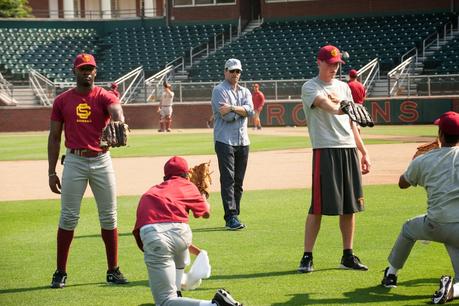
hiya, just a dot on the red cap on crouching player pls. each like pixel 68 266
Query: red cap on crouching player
pixel 84 59
pixel 330 54
pixel 449 123
pixel 175 166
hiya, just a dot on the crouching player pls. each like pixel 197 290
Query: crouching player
pixel 163 234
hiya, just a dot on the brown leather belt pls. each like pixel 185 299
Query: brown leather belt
pixel 87 153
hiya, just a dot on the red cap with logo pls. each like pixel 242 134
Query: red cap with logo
pixel 175 166
pixel 449 123
pixel 353 73
pixel 84 59
pixel 330 54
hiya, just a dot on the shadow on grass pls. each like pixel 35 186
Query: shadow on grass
pixel 143 283
pixel 255 275
pixel 374 294
pixel 197 230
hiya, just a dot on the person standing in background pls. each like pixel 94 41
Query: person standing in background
pixel 231 105
pixel 165 108
pixel 357 89
pixel 258 102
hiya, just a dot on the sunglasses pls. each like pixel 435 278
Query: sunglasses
pixel 235 70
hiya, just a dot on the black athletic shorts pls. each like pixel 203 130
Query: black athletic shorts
pixel 336 182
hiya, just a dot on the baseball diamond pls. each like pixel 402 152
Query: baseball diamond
pixel 236 152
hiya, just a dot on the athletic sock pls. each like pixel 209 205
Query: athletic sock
pixel 307 254
pixel 110 238
pixel 456 290
pixel 178 278
pixel 392 270
pixel 347 252
pixel 64 239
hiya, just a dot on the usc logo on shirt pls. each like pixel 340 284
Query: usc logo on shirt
pixel 83 111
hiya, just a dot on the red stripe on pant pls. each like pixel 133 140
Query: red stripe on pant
pixel 317 196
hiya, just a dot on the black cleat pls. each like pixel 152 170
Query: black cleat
pixel 59 279
pixel 224 298
pixel 305 265
pixel 389 280
pixel 116 277
pixel 352 263
pixel 446 291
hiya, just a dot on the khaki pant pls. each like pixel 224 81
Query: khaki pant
pixel 165 247
pixel 78 172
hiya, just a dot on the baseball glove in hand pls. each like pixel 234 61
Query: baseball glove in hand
pixel 424 148
pixel 114 134
pixel 357 112
pixel 200 176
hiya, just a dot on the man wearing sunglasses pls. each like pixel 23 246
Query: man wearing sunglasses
pixel 231 105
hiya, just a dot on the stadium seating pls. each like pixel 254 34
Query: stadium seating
pixel 49 51
pixel 287 49
pixel 444 60
pixel 276 50
pixel 150 47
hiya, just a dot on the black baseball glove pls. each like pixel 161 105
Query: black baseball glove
pixel 357 113
pixel 114 134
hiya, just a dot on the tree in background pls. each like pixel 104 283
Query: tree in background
pixel 15 8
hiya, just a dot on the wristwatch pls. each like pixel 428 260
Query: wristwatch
pixel 232 108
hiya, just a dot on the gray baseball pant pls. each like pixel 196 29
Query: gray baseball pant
pixel 78 172
pixel 165 249
pixel 422 228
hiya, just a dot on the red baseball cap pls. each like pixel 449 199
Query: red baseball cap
pixel 175 166
pixel 84 59
pixel 353 73
pixel 330 54
pixel 448 123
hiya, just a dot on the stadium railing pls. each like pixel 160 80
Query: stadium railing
pixel 6 91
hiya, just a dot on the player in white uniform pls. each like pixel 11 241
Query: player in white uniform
pixel 438 172
pixel 337 186
pixel 165 109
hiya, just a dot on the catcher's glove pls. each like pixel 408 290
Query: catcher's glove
pixel 114 134
pixel 200 176
pixel 357 113
pixel 424 148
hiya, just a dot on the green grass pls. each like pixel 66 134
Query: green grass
pixel 422 130
pixel 33 146
pixel 258 265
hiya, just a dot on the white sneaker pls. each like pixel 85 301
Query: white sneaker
pixel 446 291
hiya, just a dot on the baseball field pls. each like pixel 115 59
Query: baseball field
pixel 257 265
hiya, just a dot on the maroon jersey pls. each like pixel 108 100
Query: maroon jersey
pixel 84 116
pixel 358 91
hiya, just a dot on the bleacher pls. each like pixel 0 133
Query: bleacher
pixel 445 60
pixel 276 50
pixel 151 47
pixel 287 49
pixel 49 51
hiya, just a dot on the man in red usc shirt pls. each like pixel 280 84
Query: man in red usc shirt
pixel 82 113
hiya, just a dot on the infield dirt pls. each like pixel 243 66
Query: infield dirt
pixel 27 180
